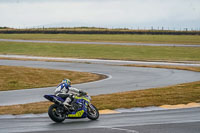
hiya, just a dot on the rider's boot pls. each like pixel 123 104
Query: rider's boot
pixel 67 102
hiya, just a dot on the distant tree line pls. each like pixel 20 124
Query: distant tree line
pixel 96 31
pixel 4 27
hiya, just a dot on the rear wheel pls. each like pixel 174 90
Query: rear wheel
pixel 56 113
pixel 92 112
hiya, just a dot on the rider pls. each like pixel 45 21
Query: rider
pixel 64 90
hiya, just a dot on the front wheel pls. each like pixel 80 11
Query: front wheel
pixel 56 113
pixel 92 112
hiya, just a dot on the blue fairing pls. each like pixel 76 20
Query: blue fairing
pixel 51 98
pixel 81 112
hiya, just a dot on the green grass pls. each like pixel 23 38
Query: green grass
pixel 101 51
pixel 172 39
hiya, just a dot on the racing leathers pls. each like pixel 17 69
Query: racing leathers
pixel 63 90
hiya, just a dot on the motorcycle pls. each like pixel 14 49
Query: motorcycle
pixel 81 108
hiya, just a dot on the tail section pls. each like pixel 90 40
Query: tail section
pixel 55 99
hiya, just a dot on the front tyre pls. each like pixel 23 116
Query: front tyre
pixel 56 113
pixel 92 112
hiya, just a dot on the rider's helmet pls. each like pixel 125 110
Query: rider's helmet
pixel 67 81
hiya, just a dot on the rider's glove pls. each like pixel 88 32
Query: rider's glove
pixel 82 93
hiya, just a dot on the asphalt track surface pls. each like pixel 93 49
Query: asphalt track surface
pixel 101 61
pixel 101 43
pixel 167 121
pixel 119 79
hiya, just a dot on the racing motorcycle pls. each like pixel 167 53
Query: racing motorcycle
pixel 81 108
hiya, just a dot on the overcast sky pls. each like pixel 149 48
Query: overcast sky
pixel 101 13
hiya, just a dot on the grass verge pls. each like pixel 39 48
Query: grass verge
pixel 14 78
pixel 101 51
pixel 182 93
pixel 179 94
pixel 174 39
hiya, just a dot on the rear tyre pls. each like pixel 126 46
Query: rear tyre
pixel 56 113
pixel 92 112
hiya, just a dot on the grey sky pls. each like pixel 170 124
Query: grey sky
pixel 101 13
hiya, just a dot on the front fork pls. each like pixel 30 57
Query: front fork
pixel 91 109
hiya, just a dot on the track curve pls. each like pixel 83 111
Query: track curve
pixel 120 79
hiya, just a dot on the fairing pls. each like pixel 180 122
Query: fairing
pixel 81 112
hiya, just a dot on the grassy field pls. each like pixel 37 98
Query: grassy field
pixel 171 39
pixel 14 78
pixel 102 51
pixel 178 94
